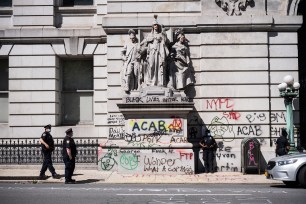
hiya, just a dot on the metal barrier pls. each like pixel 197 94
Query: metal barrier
pixel 28 150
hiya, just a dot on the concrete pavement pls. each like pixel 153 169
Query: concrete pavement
pixel 90 174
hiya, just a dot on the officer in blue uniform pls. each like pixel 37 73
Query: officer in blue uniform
pixel 208 145
pixel 69 154
pixel 47 147
pixel 282 144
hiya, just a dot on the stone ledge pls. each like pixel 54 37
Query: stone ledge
pixel 154 108
pixel 113 24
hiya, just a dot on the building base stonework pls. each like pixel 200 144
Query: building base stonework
pixel 94 68
pixel 155 140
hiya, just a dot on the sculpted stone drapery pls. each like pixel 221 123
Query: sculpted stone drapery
pixel 157 51
pixel 130 79
pixel 180 75
pixel 150 63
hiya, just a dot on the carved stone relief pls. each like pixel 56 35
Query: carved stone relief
pixel 156 62
pixel 234 7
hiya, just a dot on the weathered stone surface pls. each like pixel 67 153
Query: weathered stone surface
pixel 100 96
pixel 234 64
pixel 235 38
pixel 33 21
pixel 32 61
pixel 234 91
pixel 284 63
pixel 100 72
pixel 27 85
pixel 283 50
pixel 234 51
pixel 100 84
pixel 232 78
pixel 100 107
pixel 100 60
pixel 32 50
pixel 283 38
pixel 277 77
pixel 33 2
pixel 40 73
pixel 33 10
pixel 41 108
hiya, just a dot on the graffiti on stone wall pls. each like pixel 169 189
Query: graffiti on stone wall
pixel 147 161
pixel 225 158
pixel 115 119
pixel 221 129
pixel 170 126
pixel 116 133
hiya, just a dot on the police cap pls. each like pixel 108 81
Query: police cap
pixel 48 126
pixel 68 131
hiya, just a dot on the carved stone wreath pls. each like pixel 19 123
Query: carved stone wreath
pixel 234 7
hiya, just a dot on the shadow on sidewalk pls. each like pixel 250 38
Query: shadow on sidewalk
pixel 88 181
pixel 4 178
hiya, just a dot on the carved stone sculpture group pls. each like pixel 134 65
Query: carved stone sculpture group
pixel 156 61
pixel 234 7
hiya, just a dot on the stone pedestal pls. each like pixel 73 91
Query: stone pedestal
pixel 155 139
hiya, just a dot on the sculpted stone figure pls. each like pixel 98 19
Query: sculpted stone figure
pixel 180 74
pixel 131 56
pixel 156 44
pixel 150 63
pixel 233 6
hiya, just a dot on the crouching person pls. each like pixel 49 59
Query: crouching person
pixel 69 154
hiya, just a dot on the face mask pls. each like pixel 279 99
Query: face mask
pixel 48 130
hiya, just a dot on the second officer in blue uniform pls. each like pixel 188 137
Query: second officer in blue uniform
pixel 69 154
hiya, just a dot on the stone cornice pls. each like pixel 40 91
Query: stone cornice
pixel 50 34
pixel 206 23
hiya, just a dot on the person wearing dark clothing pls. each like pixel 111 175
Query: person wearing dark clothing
pixel 47 147
pixel 282 144
pixel 69 154
pixel 208 145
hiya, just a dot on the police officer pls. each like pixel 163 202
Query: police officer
pixel 69 154
pixel 47 146
pixel 208 145
pixel 282 144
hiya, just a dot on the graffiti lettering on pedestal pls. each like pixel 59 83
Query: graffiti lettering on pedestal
pixel 115 119
pixel 129 161
pixel 156 99
pixel 149 126
pixel 147 161
pixel 108 161
pixel 116 133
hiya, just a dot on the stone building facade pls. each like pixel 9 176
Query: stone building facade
pixel 60 64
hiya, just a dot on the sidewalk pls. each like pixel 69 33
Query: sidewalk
pixel 90 174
